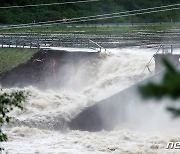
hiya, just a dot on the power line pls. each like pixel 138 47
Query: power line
pixel 123 12
pixel 125 15
pixel 100 17
pixel 117 16
pixel 48 4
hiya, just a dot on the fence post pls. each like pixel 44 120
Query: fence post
pixel 23 44
pixel 2 42
pixel 52 41
pixel 59 42
pixel 88 43
pixel 9 43
pixel 37 41
pixel 171 49
pixel 74 40
pixel 81 42
pixel 45 41
pixel 31 44
pixel 16 43
pixel 163 49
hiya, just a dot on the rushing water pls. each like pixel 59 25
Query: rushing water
pixel 41 127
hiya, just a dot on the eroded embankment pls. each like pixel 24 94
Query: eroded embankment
pixel 42 67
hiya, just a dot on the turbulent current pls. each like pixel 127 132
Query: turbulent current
pixel 42 129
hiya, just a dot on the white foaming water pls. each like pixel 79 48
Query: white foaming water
pixel 41 128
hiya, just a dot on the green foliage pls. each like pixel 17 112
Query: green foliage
pixel 12 57
pixel 8 101
pixel 175 111
pixel 169 86
pixel 28 15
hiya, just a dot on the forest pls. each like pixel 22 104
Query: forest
pixel 67 11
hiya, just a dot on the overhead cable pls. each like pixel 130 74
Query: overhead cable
pixel 98 17
pixel 87 17
pixel 48 4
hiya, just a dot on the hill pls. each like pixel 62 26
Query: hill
pixel 45 13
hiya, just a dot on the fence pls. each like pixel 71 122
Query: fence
pixel 43 41
pixel 114 39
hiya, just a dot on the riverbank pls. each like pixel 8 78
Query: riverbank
pixel 12 57
pixel 99 28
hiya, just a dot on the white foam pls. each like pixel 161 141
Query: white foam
pixel 113 71
pixel 68 49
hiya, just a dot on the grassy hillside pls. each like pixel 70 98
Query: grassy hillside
pixel 11 58
pixel 45 13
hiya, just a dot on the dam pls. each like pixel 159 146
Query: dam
pixel 54 69
pixel 111 112
pixel 54 116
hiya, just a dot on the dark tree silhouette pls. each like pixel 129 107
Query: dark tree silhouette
pixel 169 86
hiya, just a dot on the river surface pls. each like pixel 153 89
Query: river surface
pixel 41 127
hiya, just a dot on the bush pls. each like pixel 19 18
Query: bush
pixel 8 101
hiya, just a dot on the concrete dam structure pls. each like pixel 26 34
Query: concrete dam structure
pixel 110 112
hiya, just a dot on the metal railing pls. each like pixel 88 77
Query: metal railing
pixel 97 45
pixel 46 41
pixel 164 49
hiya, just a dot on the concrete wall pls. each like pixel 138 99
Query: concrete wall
pixel 110 112
pixel 173 58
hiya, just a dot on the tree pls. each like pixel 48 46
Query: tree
pixel 8 101
pixel 169 86
pixel 57 12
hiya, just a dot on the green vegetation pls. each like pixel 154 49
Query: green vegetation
pixel 45 13
pixel 8 101
pixel 169 86
pixel 12 57
pixel 93 29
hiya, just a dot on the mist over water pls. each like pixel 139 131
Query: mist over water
pixel 41 127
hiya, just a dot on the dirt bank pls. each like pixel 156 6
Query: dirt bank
pixel 43 66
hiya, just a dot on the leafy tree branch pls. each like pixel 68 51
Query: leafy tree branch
pixel 169 86
pixel 9 101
